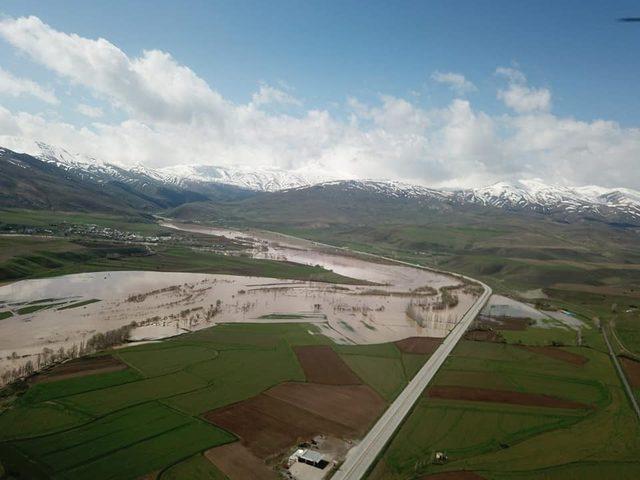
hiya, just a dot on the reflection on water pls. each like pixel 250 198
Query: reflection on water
pixel 165 304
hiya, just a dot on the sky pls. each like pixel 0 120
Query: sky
pixel 441 93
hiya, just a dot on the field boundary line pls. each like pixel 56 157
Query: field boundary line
pixel 630 395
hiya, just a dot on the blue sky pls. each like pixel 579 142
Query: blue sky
pixel 325 53
pixel 329 50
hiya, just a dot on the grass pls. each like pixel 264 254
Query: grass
pixel 146 418
pixel 80 304
pixel 47 391
pixel 194 468
pixel 149 432
pixel 283 316
pixel 382 366
pixel 48 218
pixel 103 401
pixel 38 419
pixel 385 375
pixel 540 336
pixel 39 260
pixel 462 432
pixel 6 314
pixel 627 329
pixel 512 256
pixel 36 308
pixel 500 440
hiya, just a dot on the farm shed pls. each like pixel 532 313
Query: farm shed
pixel 311 457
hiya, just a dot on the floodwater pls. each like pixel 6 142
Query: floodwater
pixel 501 306
pixel 165 304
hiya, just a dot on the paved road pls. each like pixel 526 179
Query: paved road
pixel 616 363
pixel 362 457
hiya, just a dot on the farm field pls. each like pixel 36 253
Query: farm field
pixel 61 243
pixel 52 257
pixel 148 409
pixel 502 410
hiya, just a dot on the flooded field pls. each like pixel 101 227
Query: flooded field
pixel 501 306
pixel 65 312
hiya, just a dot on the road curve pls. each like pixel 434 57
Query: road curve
pixel 362 457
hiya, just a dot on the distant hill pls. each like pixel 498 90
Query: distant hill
pixel 369 202
pixel 46 176
pixel 30 182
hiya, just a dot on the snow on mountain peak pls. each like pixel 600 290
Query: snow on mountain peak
pixel 266 179
pixel 526 194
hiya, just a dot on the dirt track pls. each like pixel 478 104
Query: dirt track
pixel 238 463
pixel 81 367
pixel 632 370
pixel 284 415
pixel 421 345
pixel 321 364
pixel 558 354
pixel 502 396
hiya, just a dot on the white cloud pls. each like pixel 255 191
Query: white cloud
pixel 519 96
pixel 267 95
pixel 152 86
pixel 89 110
pixel 512 74
pixel 456 82
pixel 173 116
pixel 16 87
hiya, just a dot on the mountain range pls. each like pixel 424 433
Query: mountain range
pixel 38 175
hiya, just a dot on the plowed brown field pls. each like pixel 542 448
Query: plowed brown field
pixel 502 396
pixel 632 370
pixel 322 365
pixel 558 354
pixel 483 336
pixel 238 463
pixel 422 345
pixel 81 367
pixel 289 413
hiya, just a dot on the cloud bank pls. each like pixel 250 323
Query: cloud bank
pixel 172 116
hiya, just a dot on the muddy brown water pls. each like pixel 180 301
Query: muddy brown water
pixel 165 304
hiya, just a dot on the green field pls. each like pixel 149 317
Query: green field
pixel 52 257
pixel 146 418
pixel 80 304
pixel 193 468
pixel 500 441
pixel 15 218
pixel 590 270
pixel 382 366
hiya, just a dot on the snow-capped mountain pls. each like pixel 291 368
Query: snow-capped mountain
pixel 535 195
pixel 82 165
pixel 390 188
pixel 185 176
pixel 617 205
pixel 260 179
